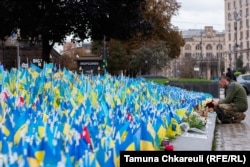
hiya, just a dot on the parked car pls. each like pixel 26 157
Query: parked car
pixel 244 80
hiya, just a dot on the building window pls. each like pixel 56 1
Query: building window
pixel 230 48
pixel 219 54
pixel 229 36
pixel 235 26
pixel 187 47
pixel 228 6
pixel 229 15
pixel 188 55
pixel 209 55
pixel 247 23
pixel 209 47
pixel 198 47
pixel 247 34
pixel 229 27
pixel 219 47
pixel 197 54
pixel 235 5
pixel 247 12
pixel 241 35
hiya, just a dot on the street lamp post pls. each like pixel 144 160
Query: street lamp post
pixel 236 18
pixel 236 46
pixel 80 70
pixel 175 67
pixel 104 54
pixel 201 57
pixel 219 59
pixel 18 47
pixel 146 63
pixel 157 65
pixel 3 53
pixel 230 58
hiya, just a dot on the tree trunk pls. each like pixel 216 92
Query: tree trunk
pixel 46 50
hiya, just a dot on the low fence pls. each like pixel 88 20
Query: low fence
pixel 211 87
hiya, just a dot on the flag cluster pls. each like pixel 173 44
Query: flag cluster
pixel 60 118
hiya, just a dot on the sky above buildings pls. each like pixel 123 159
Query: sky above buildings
pixel 196 14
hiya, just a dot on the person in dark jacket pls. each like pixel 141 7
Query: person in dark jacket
pixel 230 74
pixel 231 108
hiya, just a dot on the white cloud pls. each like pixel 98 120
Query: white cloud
pixel 200 13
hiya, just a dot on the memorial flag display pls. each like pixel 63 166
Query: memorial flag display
pixel 61 118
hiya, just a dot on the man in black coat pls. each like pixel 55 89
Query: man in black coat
pixel 230 74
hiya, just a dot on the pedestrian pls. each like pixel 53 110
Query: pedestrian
pixel 231 108
pixel 230 74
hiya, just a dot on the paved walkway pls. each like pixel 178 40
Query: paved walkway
pixel 229 137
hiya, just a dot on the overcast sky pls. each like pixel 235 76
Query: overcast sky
pixel 196 14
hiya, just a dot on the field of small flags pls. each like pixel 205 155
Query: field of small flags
pixel 60 118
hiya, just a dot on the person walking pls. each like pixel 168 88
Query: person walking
pixel 231 108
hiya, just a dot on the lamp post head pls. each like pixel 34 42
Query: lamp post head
pixel 18 32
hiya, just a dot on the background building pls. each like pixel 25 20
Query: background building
pixel 15 53
pixel 237 41
pixel 202 55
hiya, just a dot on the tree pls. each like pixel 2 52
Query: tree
pixel 141 61
pixel 239 63
pixel 159 14
pixel 163 39
pixel 118 59
pixel 55 19
pixel 147 58
pixel 187 68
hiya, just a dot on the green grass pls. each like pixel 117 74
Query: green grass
pixel 166 80
pixel 162 81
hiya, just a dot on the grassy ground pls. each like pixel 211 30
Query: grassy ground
pixel 158 80
pixel 167 80
pixel 191 80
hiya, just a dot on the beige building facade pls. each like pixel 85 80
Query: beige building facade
pixel 202 55
pixel 230 48
pixel 237 35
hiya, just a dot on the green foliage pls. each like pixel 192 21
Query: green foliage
pixel 118 59
pixel 237 73
pixel 167 80
pixel 54 20
pixel 162 81
pixel 239 63
pixel 162 30
pixel 146 58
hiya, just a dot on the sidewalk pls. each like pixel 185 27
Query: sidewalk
pixel 230 137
